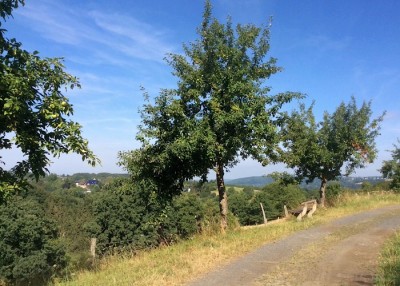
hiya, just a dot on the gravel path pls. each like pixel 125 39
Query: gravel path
pixel 342 252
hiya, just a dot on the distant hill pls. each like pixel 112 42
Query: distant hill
pixel 102 177
pixel 255 181
pixel 258 181
pixel 347 182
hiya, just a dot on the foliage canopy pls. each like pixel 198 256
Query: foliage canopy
pixel 33 110
pixel 30 253
pixel 219 112
pixel 391 168
pixel 340 143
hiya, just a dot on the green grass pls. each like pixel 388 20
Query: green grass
pixel 389 263
pixel 179 263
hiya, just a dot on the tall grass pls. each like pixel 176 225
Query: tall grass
pixel 389 263
pixel 179 263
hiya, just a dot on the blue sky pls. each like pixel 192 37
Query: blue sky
pixel 330 50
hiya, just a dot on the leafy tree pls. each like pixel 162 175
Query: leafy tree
pixel 391 168
pixel 340 143
pixel 33 110
pixel 284 178
pixel 219 112
pixel 30 252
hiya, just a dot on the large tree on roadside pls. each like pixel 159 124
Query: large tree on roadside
pixel 336 146
pixel 33 111
pixel 219 112
pixel 391 168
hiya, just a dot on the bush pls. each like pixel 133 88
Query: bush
pixel 187 212
pixel 248 191
pixel 71 210
pixel 30 253
pixel 333 193
pixel 238 204
pixel 123 218
pixel 132 217
pixel 279 195
pixel 366 186
pixel 211 220
pixel 382 186
pixel 246 205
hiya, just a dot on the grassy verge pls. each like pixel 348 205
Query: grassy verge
pixel 179 263
pixel 389 263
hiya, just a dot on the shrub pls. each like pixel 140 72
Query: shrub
pixel 366 186
pixel 187 212
pixel 238 204
pixel 71 210
pixel 279 195
pixel 133 217
pixel 382 186
pixel 124 218
pixel 333 194
pixel 246 205
pixel 30 251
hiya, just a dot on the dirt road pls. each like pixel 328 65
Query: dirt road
pixel 342 252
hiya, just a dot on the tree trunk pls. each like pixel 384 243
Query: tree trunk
pixel 223 199
pixel 322 192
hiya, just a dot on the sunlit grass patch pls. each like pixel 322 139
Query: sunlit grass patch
pixel 389 263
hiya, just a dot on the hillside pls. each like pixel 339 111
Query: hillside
pixel 346 182
pixel 255 181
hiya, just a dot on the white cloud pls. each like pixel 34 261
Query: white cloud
pixel 54 21
pixel 119 35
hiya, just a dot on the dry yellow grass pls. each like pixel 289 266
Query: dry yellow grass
pixel 179 263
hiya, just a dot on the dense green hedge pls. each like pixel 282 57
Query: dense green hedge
pixel 246 205
pixel 31 252
pixel 126 216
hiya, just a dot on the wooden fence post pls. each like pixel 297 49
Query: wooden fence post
pixel 314 208
pixel 262 209
pixel 93 248
pixel 286 211
pixel 303 213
